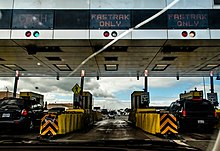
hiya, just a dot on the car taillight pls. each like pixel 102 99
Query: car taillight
pixel 215 114
pixel 184 113
pixel 24 112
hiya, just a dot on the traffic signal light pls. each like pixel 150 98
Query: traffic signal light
pixel 191 34
pixel 28 34
pixel 35 34
pixel 184 34
pixel 107 34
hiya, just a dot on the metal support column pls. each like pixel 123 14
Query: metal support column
pixel 16 83
pixel 81 85
pixel 211 82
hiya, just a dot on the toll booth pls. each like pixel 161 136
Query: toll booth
pixel 192 95
pixel 33 96
pixel 87 101
pixel 139 99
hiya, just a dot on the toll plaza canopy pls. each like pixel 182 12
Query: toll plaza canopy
pixel 50 38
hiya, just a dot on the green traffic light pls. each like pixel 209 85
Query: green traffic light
pixel 36 34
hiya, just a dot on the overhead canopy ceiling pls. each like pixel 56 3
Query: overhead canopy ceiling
pixel 126 58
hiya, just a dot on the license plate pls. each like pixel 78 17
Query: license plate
pixel 201 121
pixel 6 115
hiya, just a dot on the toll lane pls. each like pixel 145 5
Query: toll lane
pixel 109 129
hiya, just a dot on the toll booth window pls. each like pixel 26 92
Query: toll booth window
pixel 32 19
pixel 5 19
pixel 71 19
pixel 217 2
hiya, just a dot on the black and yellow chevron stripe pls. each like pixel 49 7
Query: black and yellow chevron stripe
pixel 168 124
pixel 49 125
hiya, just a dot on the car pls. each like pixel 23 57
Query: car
pixel 111 115
pixel 194 114
pixel 19 114
pixel 57 110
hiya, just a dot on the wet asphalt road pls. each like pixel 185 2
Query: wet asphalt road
pixel 110 129
pixel 114 129
pixel 203 141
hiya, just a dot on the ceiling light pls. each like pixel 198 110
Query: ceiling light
pixel 208 67
pixel 13 67
pixel 62 67
pixel 160 67
pixel 111 67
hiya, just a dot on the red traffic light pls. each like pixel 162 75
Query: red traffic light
pixel 28 34
pixel 184 34
pixel 106 34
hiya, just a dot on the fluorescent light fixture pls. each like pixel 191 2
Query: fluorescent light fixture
pixel 13 67
pixel 160 67
pixel 208 67
pixel 111 67
pixel 62 67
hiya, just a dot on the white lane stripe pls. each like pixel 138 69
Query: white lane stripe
pixel 180 142
pixel 124 34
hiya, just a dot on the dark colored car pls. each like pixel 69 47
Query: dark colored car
pixel 194 114
pixel 57 110
pixel 19 114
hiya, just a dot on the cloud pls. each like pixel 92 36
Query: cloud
pixel 6 82
pixel 45 85
pixel 106 91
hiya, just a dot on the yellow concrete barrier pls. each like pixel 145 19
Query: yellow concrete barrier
pixel 154 123
pixel 69 122
pixel 64 123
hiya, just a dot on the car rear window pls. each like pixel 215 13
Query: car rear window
pixel 198 106
pixel 11 102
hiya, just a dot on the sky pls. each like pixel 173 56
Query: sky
pixel 109 92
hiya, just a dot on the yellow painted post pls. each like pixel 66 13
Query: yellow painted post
pixel 79 121
pixel 61 124
pixel 139 119
pixel 157 127
pixel 72 122
pixel 147 126
pixel 75 122
pixel 67 123
pixel 142 120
